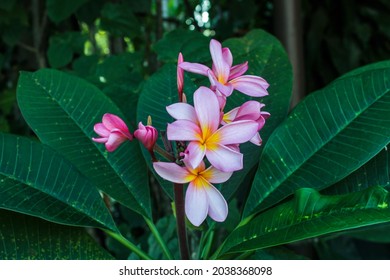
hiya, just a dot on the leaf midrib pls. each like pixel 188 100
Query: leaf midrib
pixel 344 211
pixel 324 143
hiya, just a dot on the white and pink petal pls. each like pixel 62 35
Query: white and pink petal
pixel 218 208
pixel 236 132
pixel 196 203
pixel 172 172
pixel 196 68
pixel 251 85
pixel 183 130
pixel 182 111
pixel 224 158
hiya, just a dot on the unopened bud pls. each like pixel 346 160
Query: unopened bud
pixel 147 135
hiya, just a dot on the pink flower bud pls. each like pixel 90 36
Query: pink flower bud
pixel 180 77
pixel 147 135
pixel 112 131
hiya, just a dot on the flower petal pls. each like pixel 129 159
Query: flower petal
pixel 207 110
pixel 172 172
pixel 251 85
pixel 218 208
pixel 256 139
pixel 100 129
pixel 238 70
pixel 236 132
pixel 183 130
pixel 196 68
pixel 213 175
pixel 250 110
pixel 223 89
pixel 100 140
pixel 195 153
pixel 112 121
pixel 114 140
pixel 196 203
pixel 227 56
pixel 229 116
pixel 224 158
pixel 222 69
pixel 182 111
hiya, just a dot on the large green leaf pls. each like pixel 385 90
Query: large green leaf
pixel 36 180
pixel 62 110
pixel 28 238
pixel 328 135
pixel 376 172
pixel 310 214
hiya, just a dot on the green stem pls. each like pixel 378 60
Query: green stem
pixel 159 239
pixel 207 247
pixel 181 222
pixel 128 244
pixel 164 153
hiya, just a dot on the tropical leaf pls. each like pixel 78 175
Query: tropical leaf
pixel 310 214
pixel 28 238
pixel 376 172
pixel 36 180
pixel 330 134
pixel 62 110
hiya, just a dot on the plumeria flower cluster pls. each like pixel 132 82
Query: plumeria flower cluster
pixel 212 135
pixel 207 135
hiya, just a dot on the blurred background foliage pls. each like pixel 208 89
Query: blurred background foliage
pixel 115 45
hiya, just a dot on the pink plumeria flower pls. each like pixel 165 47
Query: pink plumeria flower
pixel 112 131
pixel 202 198
pixel 199 125
pixel 147 135
pixel 224 77
pixel 250 110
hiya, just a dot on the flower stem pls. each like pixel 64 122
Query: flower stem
pixel 180 221
pixel 164 153
pixel 128 244
pixel 159 239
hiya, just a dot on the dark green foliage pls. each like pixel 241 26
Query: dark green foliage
pixel 320 181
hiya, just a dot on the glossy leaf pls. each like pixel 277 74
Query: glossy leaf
pixel 376 172
pixel 310 214
pixel 28 238
pixel 62 110
pixel 36 180
pixel 327 136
